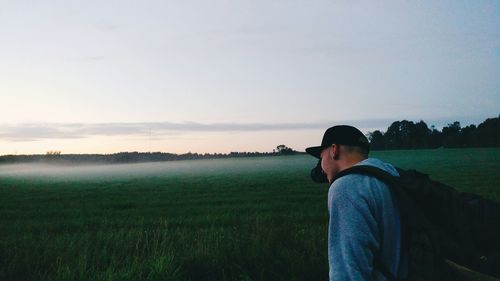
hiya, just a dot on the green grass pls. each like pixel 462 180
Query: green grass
pixel 231 219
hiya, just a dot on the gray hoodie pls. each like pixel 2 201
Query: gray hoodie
pixel 364 222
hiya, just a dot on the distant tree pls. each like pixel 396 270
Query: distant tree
pixel 53 153
pixel 468 136
pixel 435 138
pixel 451 135
pixel 421 135
pixel 284 150
pixel 488 132
pixel 400 135
pixel 393 136
pixel 408 136
pixel 377 140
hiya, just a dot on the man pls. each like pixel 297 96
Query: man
pixel 364 226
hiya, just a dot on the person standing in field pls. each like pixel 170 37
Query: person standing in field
pixel 364 222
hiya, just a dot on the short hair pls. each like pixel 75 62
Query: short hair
pixel 363 151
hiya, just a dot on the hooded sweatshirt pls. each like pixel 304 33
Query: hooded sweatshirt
pixel 364 223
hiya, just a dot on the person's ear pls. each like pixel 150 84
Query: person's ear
pixel 335 152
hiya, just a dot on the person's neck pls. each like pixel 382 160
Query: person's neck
pixel 350 161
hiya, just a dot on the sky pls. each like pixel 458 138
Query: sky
pixel 221 76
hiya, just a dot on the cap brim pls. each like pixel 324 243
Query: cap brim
pixel 315 151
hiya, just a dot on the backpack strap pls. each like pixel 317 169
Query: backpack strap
pixel 370 171
pixel 380 266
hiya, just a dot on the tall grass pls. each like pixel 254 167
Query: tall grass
pixel 232 219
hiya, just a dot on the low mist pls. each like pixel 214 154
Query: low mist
pixel 69 172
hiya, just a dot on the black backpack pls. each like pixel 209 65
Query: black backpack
pixel 446 234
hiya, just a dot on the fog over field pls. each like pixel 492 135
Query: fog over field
pixel 209 167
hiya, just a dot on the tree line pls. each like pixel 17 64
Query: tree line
pixel 131 157
pixel 399 135
pixel 409 135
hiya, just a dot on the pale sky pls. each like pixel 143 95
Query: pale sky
pixel 221 76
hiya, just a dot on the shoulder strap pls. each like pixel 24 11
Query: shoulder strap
pixel 380 266
pixel 370 171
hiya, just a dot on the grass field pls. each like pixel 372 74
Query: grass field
pixel 227 219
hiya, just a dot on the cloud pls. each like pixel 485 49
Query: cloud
pixel 39 131
pixel 94 58
pixel 108 27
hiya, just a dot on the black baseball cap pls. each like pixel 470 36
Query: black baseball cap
pixel 340 134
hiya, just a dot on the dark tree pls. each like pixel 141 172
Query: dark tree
pixel 488 132
pixel 401 135
pixel 435 138
pixel 408 135
pixel 468 136
pixel 377 140
pixel 284 150
pixel 393 136
pixel 422 135
pixel 451 135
